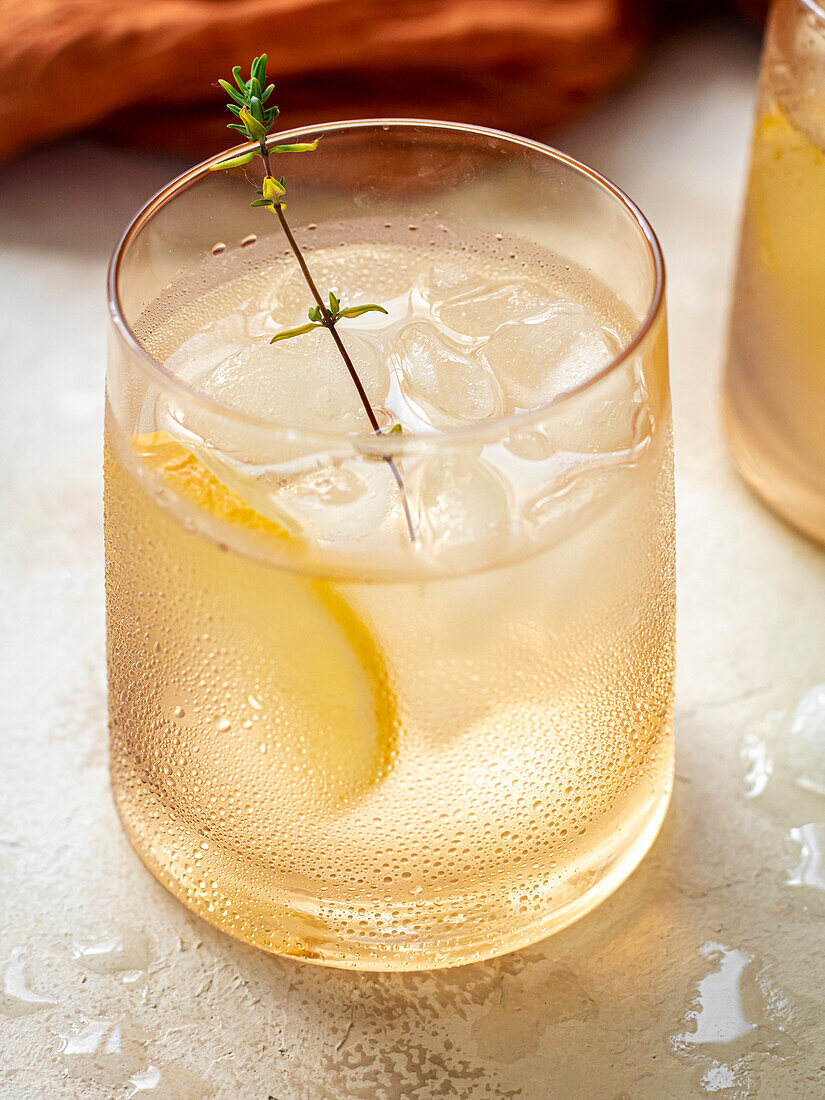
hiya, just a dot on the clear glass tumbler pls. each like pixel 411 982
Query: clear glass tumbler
pixel 332 737
pixel 775 382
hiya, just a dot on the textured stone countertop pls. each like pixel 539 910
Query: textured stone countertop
pixel 704 974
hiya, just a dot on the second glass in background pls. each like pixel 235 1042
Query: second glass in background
pixel 775 383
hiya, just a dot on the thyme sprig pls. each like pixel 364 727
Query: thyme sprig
pixel 247 102
pixel 317 319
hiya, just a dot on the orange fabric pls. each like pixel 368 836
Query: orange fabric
pixel 144 71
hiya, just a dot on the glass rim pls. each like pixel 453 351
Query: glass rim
pixel 382 444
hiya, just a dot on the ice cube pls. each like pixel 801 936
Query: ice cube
pixel 611 417
pixel 538 358
pixel 302 382
pixel 335 500
pixel 359 274
pixel 448 385
pixel 448 278
pixel 211 346
pixel 581 488
pixel 315 494
pixel 473 302
pixel 463 511
pixel 804 746
pixel 479 314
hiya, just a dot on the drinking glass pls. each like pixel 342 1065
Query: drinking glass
pixel 331 736
pixel 774 392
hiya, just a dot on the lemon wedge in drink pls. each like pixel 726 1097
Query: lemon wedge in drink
pixel 788 177
pixel 309 707
pixel 187 476
pixel 787 200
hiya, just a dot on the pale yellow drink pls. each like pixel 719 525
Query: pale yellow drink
pixel 368 750
pixel 775 383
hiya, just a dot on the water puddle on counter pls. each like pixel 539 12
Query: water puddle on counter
pixel 734 1013
pixel 16 998
pixel 112 1053
pixel 124 954
pixel 169 1083
pixel 105 1051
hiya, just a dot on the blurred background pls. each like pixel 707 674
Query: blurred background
pixel 127 70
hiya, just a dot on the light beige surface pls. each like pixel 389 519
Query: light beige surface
pixel 703 975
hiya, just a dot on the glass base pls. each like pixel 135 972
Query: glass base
pixel 493 927
pixel 776 474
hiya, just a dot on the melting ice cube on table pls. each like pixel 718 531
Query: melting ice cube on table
pixel 804 744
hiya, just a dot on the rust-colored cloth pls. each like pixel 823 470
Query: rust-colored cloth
pixel 756 9
pixel 143 71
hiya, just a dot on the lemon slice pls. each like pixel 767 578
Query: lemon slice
pixel 186 475
pixel 788 199
pixel 318 706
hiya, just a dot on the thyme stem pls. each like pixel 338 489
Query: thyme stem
pixel 247 99
pixel 329 323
